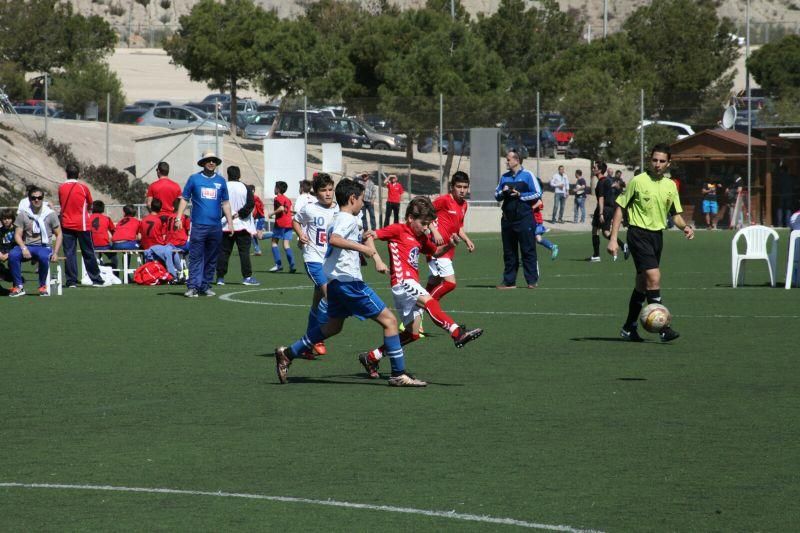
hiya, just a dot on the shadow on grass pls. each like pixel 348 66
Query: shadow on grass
pixel 631 379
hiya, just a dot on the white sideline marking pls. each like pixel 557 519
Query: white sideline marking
pixel 229 297
pixel 288 499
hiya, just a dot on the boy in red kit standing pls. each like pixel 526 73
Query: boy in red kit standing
pixel 394 193
pixel 406 242
pixel 283 228
pixel 451 209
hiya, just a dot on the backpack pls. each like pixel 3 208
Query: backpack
pixel 151 273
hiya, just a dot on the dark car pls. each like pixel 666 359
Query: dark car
pixel 130 115
pixel 321 129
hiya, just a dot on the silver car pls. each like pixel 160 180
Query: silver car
pixel 177 117
pixel 383 141
pixel 258 126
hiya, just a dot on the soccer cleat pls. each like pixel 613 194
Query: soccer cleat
pixel 406 380
pixel 191 293
pixel 505 287
pixel 16 292
pixel 276 268
pixel 292 270
pixel 626 251
pixel 369 366
pixel 594 259
pixel 207 292
pixel 250 280
pixel 465 336
pixel 421 330
pixel 631 334
pixel 282 364
pixel 533 286
pixel 43 291
pixel 668 334
pixel 554 253
pixel 401 327
pixel 220 281
pixel 319 349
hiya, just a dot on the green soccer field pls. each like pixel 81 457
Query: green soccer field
pixel 133 408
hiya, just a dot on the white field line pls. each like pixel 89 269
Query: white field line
pixel 288 499
pixel 230 297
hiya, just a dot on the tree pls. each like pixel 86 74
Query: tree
pixel 776 66
pixel 12 82
pixel 689 48
pixel 225 44
pixel 43 35
pixel 82 83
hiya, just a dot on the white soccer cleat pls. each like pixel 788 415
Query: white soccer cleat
pixel 406 380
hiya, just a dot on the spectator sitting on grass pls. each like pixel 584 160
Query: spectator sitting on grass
pixel 6 241
pixel 102 227
pixel 126 235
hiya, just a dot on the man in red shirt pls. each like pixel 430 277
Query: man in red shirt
pixel 406 242
pixel 283 228
pixel 163 189
pixel 102 227
pixel 451 209
pixel 75 199
pixel 394 194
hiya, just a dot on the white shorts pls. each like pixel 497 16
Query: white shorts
pixel 441 267
pixel 405 296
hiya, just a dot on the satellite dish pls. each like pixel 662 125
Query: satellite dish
pixel 729 117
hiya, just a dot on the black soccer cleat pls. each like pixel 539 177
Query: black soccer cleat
pixel 668 334
pixel 465 336
pixel 631 334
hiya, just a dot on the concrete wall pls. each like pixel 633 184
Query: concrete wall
pixel 180 148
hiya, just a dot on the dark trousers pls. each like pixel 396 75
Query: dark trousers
pixel 368 208
pixel 242 239
pixel 519 236
pixel 71 240
pixel 203 252
pixel 391 207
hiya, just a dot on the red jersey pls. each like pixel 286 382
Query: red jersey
pixel 154 231
pixel 127 229
pixel 258 210
pixel 395 192
pixel 75 200
pixel 284 219
pixel 449 218
pixel 165 190
pixel 404 251
pixel 100 226
pixel 537 213
pixel 178 237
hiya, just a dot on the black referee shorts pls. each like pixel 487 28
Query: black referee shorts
pixel 608 216
pixel 645 247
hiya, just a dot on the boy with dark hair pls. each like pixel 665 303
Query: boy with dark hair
pixel 258 218
pixel 606 196
pixel 282 231
pixel 102 228
pixel 406 242
pixel 348 295
pixel 153 230
pixel 451 209
pixel 6 241
pixel 311 224
pixel 649 199
pixel 163 189
pixel 126 235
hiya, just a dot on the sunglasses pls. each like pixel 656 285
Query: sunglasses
pixel 36 198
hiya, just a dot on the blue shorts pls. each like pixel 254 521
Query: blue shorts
pixel 261 223
pixel 317 275
pixel 353 298
pixel 710 206
pixel 540 229
pixel 282 233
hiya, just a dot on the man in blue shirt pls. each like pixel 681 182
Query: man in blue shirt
pixel 208 192
pixel 518 190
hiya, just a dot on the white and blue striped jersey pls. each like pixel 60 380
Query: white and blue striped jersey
pixel 315 220
pixel 340 264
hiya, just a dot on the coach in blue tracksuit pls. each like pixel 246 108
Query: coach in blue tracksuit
pixel 518 190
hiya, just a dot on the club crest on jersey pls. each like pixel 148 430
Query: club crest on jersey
pixel 413 257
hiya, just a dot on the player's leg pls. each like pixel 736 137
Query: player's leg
pixel 447 278
pixel 410 314
pixel 276 252
pixel 287 248
pixel 459 334
pixel 394 351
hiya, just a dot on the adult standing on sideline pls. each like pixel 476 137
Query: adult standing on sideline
pixel 208 193
pixel 560 184
pixel 370 193
pixel 649 199
pixel 164 189
pixel 75 200
pixel 242 202
pixel 394 194
pixel 518 190
pixel 580 197
pixel 710 206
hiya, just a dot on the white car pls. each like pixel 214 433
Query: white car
pixel 176 117
pixel 681 130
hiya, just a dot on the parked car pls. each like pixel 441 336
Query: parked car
pixel 222 98
pixel 66 115
pixel 129 115
pixel 206 107
pixel 26 109
pixel 147 104
pixel 176 117
pixel 383 141
pixel 258 126
pixel 320 128
pixel 681 130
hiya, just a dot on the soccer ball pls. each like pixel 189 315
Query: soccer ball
pixel 654 317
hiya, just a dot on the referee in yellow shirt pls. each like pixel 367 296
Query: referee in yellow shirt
pixel 649 199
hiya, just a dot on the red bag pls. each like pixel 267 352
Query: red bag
pixel 151 273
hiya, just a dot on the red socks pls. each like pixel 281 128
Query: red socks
pixel 439 317
pixel 442 289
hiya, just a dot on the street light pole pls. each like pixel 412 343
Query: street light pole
pixel 749 117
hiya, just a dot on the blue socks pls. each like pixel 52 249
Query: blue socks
pixel 290 257
pixel 394 351
pixel 547 244
pixel 318 316
pixel 276 255
pixel 308 341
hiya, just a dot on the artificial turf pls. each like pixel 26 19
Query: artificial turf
pixel 548 418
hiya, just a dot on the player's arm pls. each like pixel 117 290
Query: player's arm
pixel 681 224
pixel 226 209
pixel 533 185
pixel 464 237
pixel 437 237
pixel 57 246
pixel 298 229
pixel 613 247
pixel 179 213
pixel 280 209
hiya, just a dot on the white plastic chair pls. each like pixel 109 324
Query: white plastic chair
pixel 756 238
pixel 793 264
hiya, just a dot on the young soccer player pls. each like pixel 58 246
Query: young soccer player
pixel 451 208
pixel 540 230
pixel 311 224
pixel 348 295
pixel 283 228
pixel 126 236
pixel 102 228
pixel 406 242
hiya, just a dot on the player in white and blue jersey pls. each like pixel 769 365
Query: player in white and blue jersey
pixel 311 223
pixel 348 295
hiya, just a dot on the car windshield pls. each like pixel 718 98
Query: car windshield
pixel 263 120
pixel 367 127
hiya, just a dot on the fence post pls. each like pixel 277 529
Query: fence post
pixel 379 222
pixel 108 125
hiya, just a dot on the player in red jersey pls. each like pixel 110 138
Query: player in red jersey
pixel 451 208
pixel 153 227
pixel 406 242
pixel 102 227
pixel 126 234
pixel 282 231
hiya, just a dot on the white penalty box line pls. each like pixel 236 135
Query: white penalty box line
pixel 452 515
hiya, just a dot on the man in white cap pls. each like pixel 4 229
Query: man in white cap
pixel 208 192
